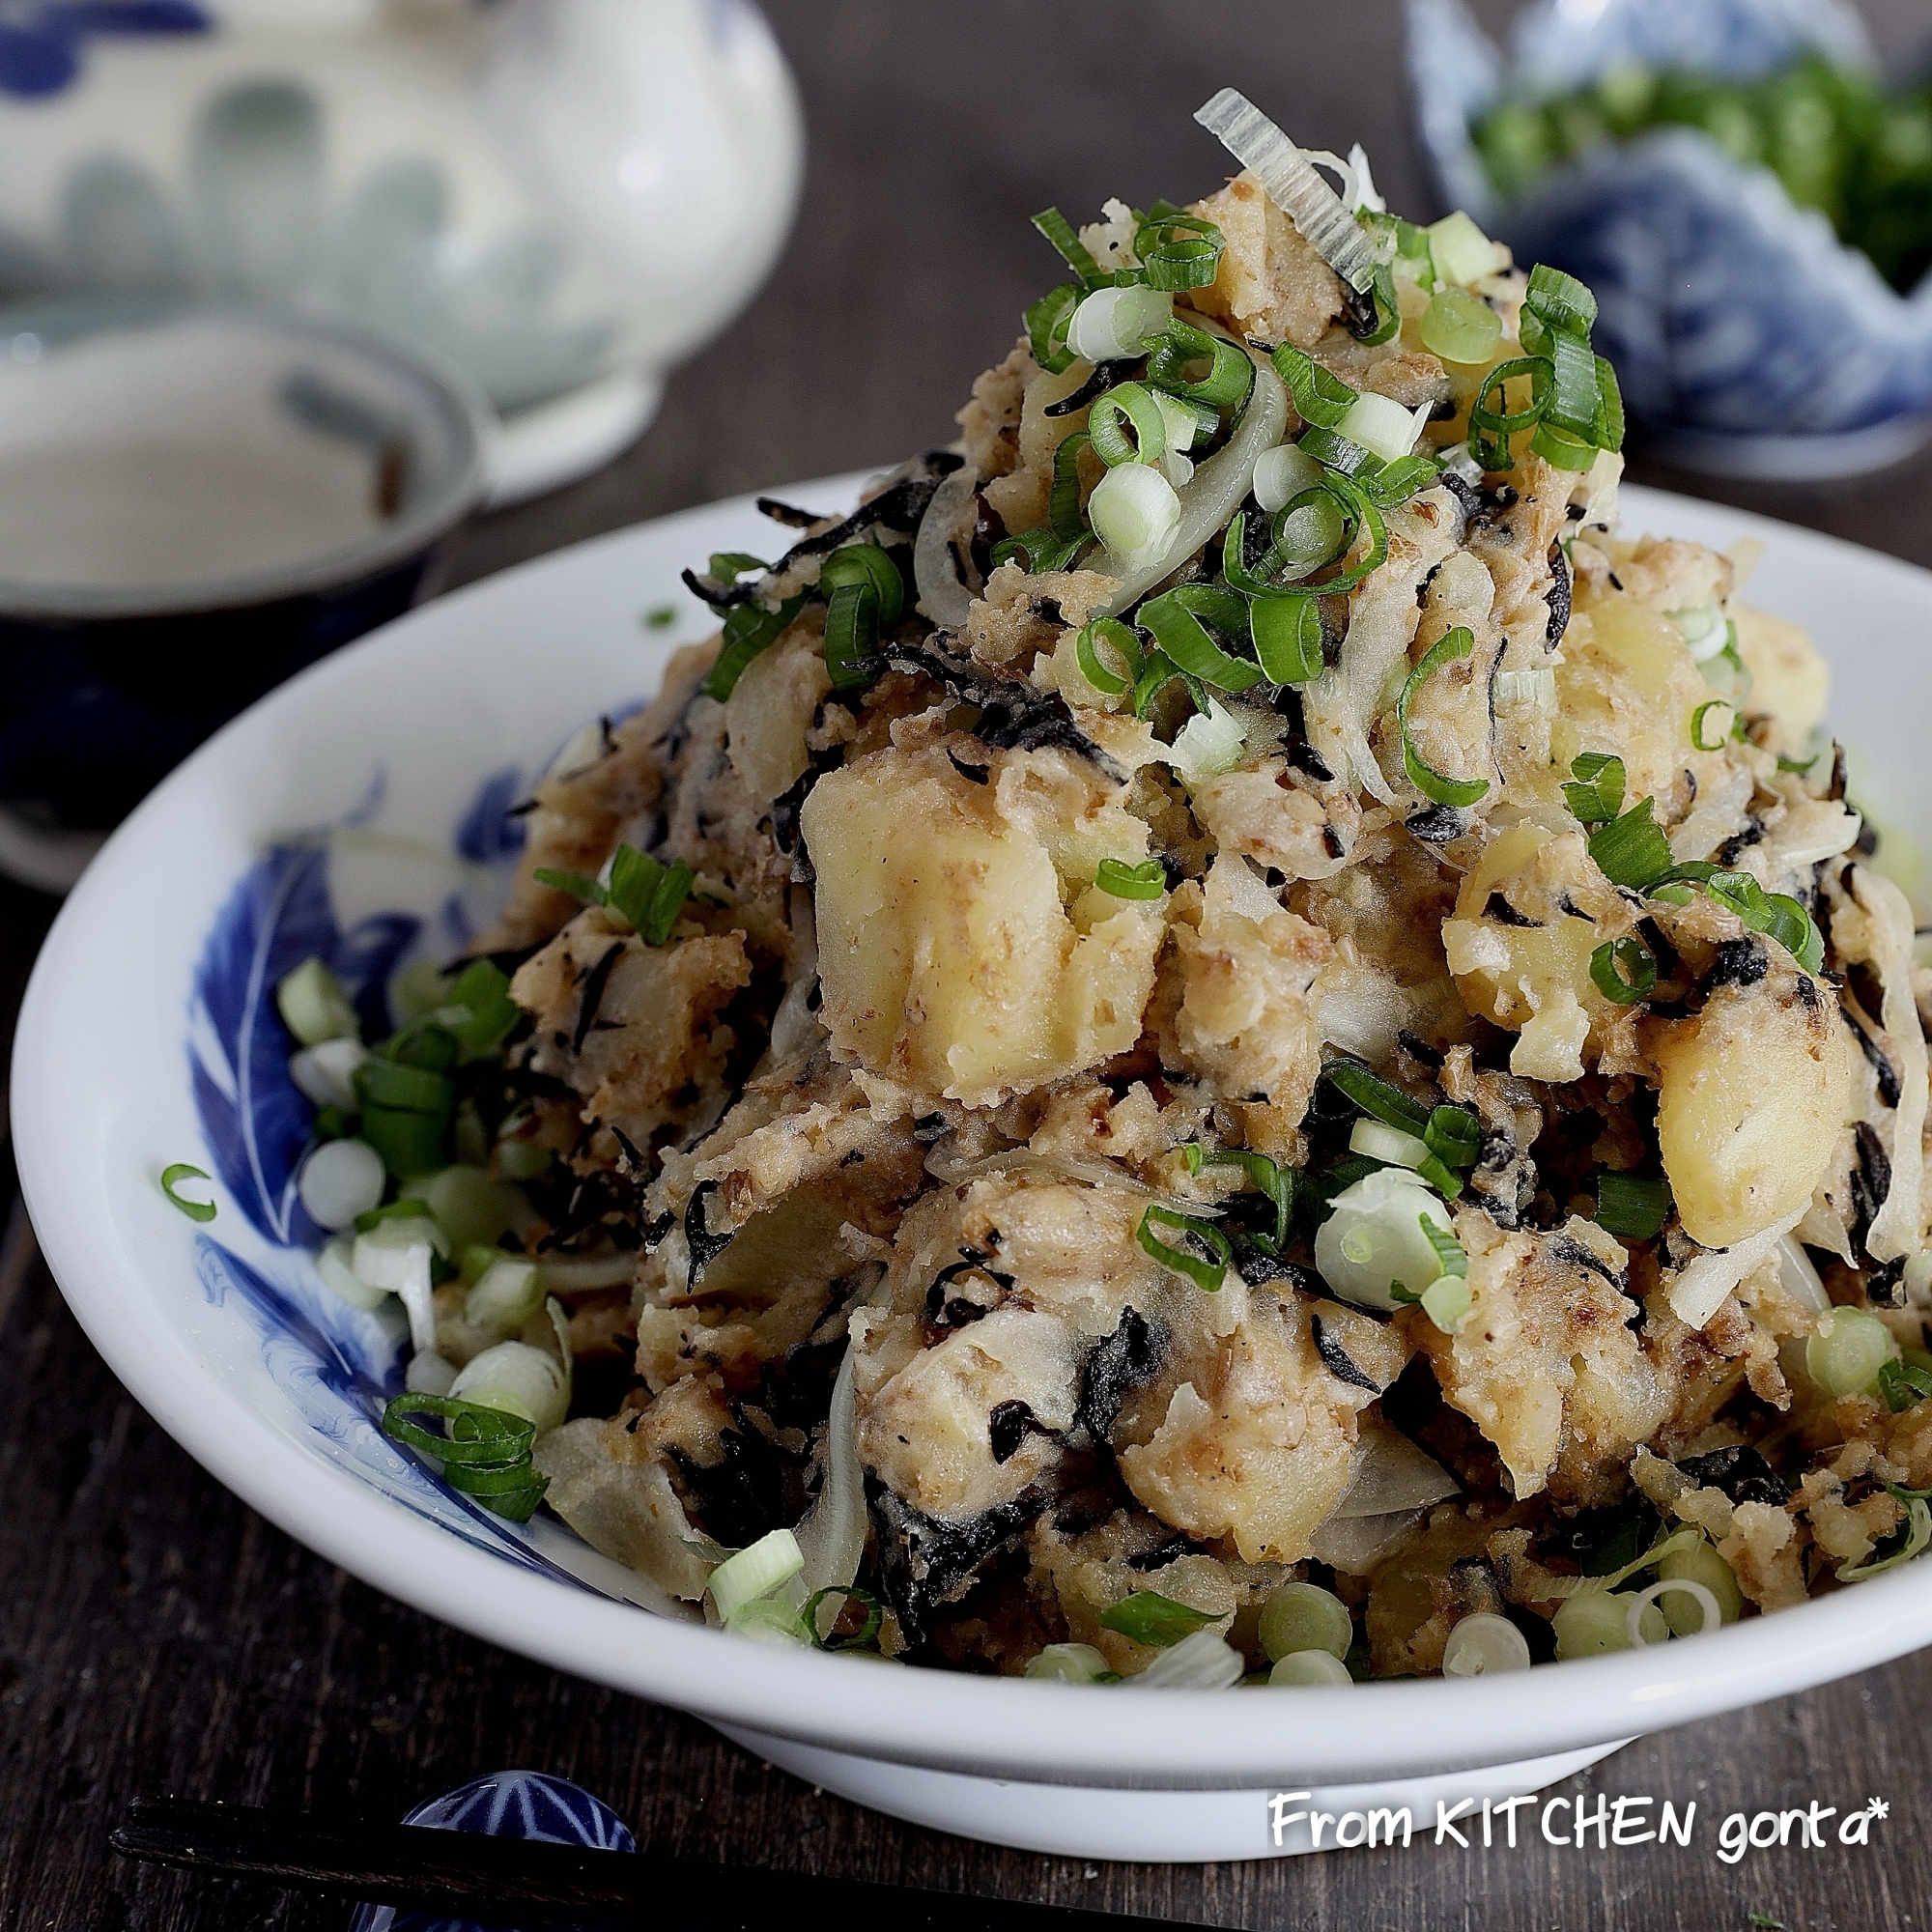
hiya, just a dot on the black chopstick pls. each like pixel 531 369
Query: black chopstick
pixel 517 1882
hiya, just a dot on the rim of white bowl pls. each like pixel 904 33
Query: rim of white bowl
pixel 986 1726
pixel 446 393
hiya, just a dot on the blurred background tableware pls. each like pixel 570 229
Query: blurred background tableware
pixel 1749 198
pixel 561 197
pixel 195 503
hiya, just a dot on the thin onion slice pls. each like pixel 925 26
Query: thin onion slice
pixel 1393 1476
pixel 1202 1661
pixel 1705 1280
pixel 831 1533
pixel 935 570
pixel 1894 1229
pixel 1219 487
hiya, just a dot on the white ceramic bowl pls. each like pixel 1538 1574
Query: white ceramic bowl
pixel 150 987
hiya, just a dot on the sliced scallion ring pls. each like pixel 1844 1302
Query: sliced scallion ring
pixel 1145 881
pixel 1424 776
pixel 1274 1180
pixel 1204 1273
pixel 1287 633
pixel 1177 617
pixel 1632 850
pixel 1633 1207
pixel 852 637
pixel 1121 638
pixel 755 1571
pixel 1150 1618
pixel 1047 323
pixel 1231 372
pixel 749 629
pixel 1073 251
pixel 170 1179
pixel 1624 971
pixel 1595 793
pixel 1178 250
pixel 1128 405
pixel 849 1593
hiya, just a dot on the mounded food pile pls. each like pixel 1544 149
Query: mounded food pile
pixel 1224 1027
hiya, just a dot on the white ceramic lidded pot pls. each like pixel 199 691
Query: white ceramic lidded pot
pixel 560 196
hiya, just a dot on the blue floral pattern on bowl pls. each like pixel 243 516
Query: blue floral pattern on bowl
pixel 1737 323
pixel 523 1804
pixel 336 1365
pixel 42 43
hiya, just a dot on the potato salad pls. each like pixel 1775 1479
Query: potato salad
pixel 1225 1037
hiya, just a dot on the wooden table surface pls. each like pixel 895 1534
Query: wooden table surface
pixel 156 1635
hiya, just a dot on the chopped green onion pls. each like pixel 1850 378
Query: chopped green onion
pixel 1128 403
pixel 1064 513
pixel 754 1571
pixel 1492 423
pixel 1377 1098
pixel 851 1593
pixel 1454 1135
pixel 1558 302
pixel 1047 323
pixel 1073 251
pixel 661 617
pixel 870 566
pixel 1147 1617
pixel 1287 634
pixel 1608 433
pixel 405 1114
pixel 1424 776
pixel 1798 765
pixel 1845 1351
pixel 1202 1273
pixel 749 629
pixel 1776 914
pixel 647 895
pixel 1918 1536
pixel 1624 971
pixel 483 992
pixel 1447 1299
pixel 1391 1144
pixel 1459 328
pixel 313 1006
pixel 1594 1621
pixel 1698 1563
pixel 1124 638
pixel 1282 473
pixel 1040 550
pixel 1303 1667
pixel 727 566
pixel 1276 1181
pixel 504 1296
pixel 170 1179
pixel 1597 794
pixel 852 637
pixel 1449 1251
pixel 1175 618
pixel 1380 426
pixel 1302 1616
pixel 1632 850
pixel 1231 372
pixel 1322 400
pixel 1145 881
pixel 1372 1242
pixel 1482 1644
pixel 1573 387
pixel 1135 512
pixel 486 1453
pixel 579 885
pixel 1070 1664
pixel 1633 1206
pixel 1903 1386
pixel 1115 322
pixel 1178 250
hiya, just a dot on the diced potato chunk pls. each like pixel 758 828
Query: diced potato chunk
pixel 1789 679
pixel 1628 685
pixel 947 957
pixel 1752 1095
pixel 1528 920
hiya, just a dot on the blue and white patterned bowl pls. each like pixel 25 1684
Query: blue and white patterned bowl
pixel 1747 338
pixel 357 812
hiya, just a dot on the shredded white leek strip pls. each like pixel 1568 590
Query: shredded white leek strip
pixel 831 1533
pixel 1918 1534
pixel 1895 1231
pixel 1704 1280
pixel 1288 178
pixel 1561 1588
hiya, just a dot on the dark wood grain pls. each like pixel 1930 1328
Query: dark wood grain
pixel 156 1635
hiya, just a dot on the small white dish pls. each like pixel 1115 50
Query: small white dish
pixel 138 1047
